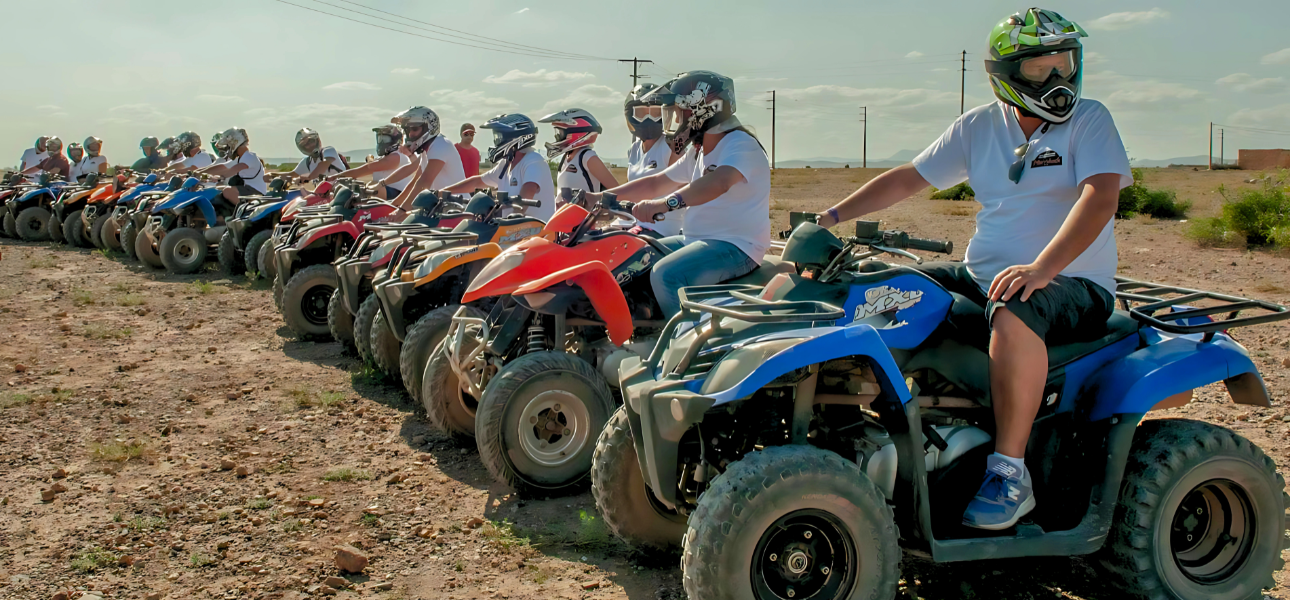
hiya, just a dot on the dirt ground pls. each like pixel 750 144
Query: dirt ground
pixel 193 449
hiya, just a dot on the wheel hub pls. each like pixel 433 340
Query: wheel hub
pixel 315 302
pixel 805 554
pixel 553 427
pixel 186 251
pixel 1212 531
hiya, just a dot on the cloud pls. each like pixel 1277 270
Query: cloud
pixel 1093 58
pixel 1125 20
pixel 1244 82
pixel 914 54
pixel 404 71
pixel 48 107
pixel 1273 117
pixel 468 104
pixel 588 96
pixel 127 114
pixel 321 115
pixel 522 11
pixel 351 85
pixel 1280 57
pixel 1131 92
pixel 757 80
pixel 220 99
pixel 538 78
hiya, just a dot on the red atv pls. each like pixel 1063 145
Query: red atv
pixel 315 240
pixel 543 362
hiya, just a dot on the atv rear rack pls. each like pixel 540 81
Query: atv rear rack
pixel 1184 319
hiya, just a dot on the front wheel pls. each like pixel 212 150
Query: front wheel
pixel 1201 515
pixel 10 225
pixel 305 299
pixel 74 230
pixel 448 406
pixel 791 522
pixel 128 235
pixel 184 251
pixel 252 253
pixel 538 419
pixel 385 346
pixel 339 322
pixel 626 502
pixel 367 311
pixel 146 252
pixel 265 261
pixel 230 263
pixel 55 229
pixel 96 232
pixel 111 234
pixel 33 224
pixel 424 337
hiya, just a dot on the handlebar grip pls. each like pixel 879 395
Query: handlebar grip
pixel 943 247
pixel 529 202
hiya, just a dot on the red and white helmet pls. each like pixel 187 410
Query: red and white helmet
pixel 574 128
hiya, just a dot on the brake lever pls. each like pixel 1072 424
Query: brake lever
pixel 899 252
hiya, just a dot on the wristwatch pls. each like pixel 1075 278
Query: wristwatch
pixel 675 202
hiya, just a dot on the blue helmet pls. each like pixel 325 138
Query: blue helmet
pixel 511 133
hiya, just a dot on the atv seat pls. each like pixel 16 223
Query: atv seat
pixel 770 267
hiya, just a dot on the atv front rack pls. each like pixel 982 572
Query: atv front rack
pixel 1154 297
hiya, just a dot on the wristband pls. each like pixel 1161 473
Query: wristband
pixel 675 202
pixel 833 212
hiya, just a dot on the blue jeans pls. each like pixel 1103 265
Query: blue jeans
pixel 696 262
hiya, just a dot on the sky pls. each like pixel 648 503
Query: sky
pixel 126 69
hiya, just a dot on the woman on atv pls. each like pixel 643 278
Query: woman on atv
pixel 726 187
pixel 393 156
pixel 189 144
pixel 75 156
pixel 647 156
pixel 580 167
pixel 240 165
pixel 94 161
pixel 1043 260
pixel 439 164
pixel 152 159
pixel 517 169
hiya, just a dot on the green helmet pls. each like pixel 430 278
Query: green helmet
pixel 148 142
pixel 1036 62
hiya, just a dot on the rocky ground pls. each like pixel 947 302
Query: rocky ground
pixel 165 437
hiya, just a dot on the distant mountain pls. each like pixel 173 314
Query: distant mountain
pixel 1184 160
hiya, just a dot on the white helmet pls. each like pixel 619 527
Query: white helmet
pixel 93 146
pixel 53 145
pixel 418 115
pixel 308 142
pixel 232 139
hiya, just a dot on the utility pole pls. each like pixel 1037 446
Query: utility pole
pixel 1222 156
pixel 636 62
pixel 772 129
pixel 1211 145
pixel 864 148
pixel 963 82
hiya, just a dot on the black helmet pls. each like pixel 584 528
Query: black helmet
pixel 645 124
pixel 695 103
pixel 511 133
pixel 189 140
pixel 169 146
pixel 388 139
pixel 1035 64
pixel 149 142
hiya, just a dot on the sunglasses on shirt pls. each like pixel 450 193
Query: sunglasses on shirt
pixel 1018 168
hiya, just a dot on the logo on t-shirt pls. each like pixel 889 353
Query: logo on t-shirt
pixel 571 169
pixel 514 182
pixel 653 164
pixel 710 169
pixel 1047 158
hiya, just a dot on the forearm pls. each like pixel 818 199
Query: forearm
pixel 1095 208
pixel 360 170
pixel 710 187
pixel 470 184
pixel 880 192
pixel 647 188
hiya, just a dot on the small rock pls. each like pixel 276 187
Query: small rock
pixel 475 523
pixel 153 596
pixel 126 561
pixel 20 368
pixel 350 560
pixel 591 585
pixel 61 314
pixel 233 395
pixel 247 390
pixel 327 590
pixel 1286 363
pixel 418 440
pixel 242 471
pixel 319 515
pixel 60 474
pixel 337 582
pixel 47 495
pixel 382 586
pixel 1285 419
pixel 316 502
pixel 227 465
pixel 61 596
pixel 396 478
pixel 211 349
pixel 1243 417
pixel 58 488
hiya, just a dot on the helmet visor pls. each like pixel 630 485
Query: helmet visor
pixel 499 138
pixel 673 119
pixel 647 113
pixel 1039 68
pixel 309 145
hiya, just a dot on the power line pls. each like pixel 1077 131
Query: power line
pixel 500 50
pixel 636 63
pixel 1254 129
pixel 472 35
pixel 854 64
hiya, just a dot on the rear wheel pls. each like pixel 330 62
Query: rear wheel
pixel 229 262
pixel 33 224
pixel 625 501
pixel 422 338
pixel 252 252
pixel 305 299
pixel 111 234
pixel 538 419
pixel 791 521
pixel 1201 515
pixel 128 235
pixel 367 312
pixel 96 232
pixel 10 225
pixel 448 407
pixel 55 229
pixel 184 250
pixel 73 230
pixel 339 322
pixel 146 252
pixel 264 260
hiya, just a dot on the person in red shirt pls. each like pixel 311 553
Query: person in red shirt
pixel 469 154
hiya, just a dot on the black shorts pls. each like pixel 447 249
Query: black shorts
pixel 1068 310
pixel 246 190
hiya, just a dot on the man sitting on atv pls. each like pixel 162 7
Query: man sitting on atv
pixel 152 159
pixel 32 156
pixel 393 159
pixel 54 163
pixel 240 165
pixel 1043 260
pixel 437 165
pixel 319 161
pixel 518 170
pixel 189 144
pixel 725 188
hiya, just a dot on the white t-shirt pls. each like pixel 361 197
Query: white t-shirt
pixel 31 158
pixel 253 175
pixel 452 172
pixel 741 216
pixel 329 154
pixel 200 160
pixel 643 164
pixel 1018 220
pixel 529 167
pixel 400 184
pixel 87 165
pixel 573 173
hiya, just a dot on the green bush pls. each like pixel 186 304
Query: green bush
pixel 1260 217
pixel 962 191
pixel 1160 204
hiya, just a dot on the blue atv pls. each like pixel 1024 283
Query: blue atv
pixel 800 435
pixel 131 213
pixel 184 227
pixel 251 226
pixel 26 214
